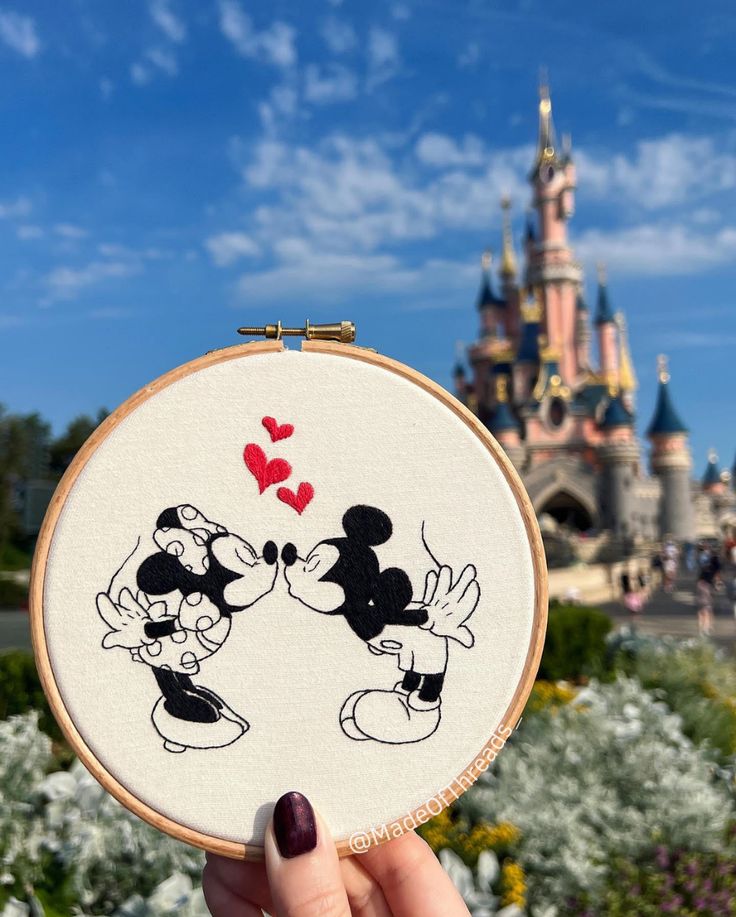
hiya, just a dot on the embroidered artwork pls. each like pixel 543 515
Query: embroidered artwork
pixel 280 570
pixel 180 615
pixel 341 576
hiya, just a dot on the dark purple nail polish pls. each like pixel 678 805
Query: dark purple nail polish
pixel 294 825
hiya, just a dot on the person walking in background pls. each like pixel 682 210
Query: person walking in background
pixel 704 602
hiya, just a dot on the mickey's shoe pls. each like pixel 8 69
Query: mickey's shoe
pixel 179 734
pixel 392 717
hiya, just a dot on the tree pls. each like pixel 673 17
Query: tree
pixel 66 446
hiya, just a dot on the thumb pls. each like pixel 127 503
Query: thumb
pixel 302 863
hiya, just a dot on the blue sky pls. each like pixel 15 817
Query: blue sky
pixel 170 169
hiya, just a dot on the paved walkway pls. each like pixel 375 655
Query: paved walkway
pixel 15 630
pixel 674 614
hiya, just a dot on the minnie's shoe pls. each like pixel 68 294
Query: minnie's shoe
pixel 179 734
pixel 392 717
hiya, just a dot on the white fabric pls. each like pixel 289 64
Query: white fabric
pixel 362 435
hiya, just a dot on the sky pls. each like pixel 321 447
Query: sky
pixel 171 169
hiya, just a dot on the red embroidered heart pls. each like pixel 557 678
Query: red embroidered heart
pixel 277 431
pixel 266 473
pixel 299 500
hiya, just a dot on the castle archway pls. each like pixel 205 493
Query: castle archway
pixel 568 511
pixel 567 491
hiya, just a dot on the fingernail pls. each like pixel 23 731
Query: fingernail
pixel 294 825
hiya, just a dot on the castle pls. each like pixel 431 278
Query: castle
pixel 567 424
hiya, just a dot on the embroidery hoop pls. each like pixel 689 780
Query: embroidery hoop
pixel 149 814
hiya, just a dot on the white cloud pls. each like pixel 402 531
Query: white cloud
pixel 349 194
pixel 469 56
pixel 441 150
pixel 339 36
pixel 10 210
pixel 106 87
pixel 163 60
pixel 19 33
pixel 28 232
pixel 170 24
pixel 400 11
pixel 332 83
pixel 69 231
pixel 333 277
pixel 662 172
pixel 383 57
pixel 275 45
pixel 228 247
pixel 662 248
pixel 156 59
pixel 139 74
pixel 68 282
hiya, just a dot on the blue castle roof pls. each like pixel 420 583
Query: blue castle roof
pixel 712 473
pixel 486 296
pixel 666 419
pixel 604 312
pixel 502 419
pixel 529 345
pixel 616 415
pixel 580 303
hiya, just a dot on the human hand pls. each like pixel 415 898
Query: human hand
pixel 303 877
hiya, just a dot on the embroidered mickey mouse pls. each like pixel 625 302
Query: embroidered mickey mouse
pixel 199 575
pixel 342 576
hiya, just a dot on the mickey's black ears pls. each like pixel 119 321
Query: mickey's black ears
pixel 392 591
pixel 367 524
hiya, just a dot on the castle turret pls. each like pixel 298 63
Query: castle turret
pixel 605 323
pixel 671 462
pixel 619 457
pixel 551 266
pixel 509 274
pixel 582 332
pixel 504 425
pixel 712 482
pixel 627 381
pixel 490 306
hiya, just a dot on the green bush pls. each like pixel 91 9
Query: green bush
pixel 575 647
pixel 695 681
pixel 14 558
pixel 20 691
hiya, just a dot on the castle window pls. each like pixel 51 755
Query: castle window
pixel 557 413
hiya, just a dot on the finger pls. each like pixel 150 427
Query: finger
pixel 465 636
pixel 430 585
pixel 364 894
pixel 107 609
pixel 465 579
pixel 246 882
pixel 126 601
pixel 444 582
pixel 302 863
pixel 469 600
pixel 412 879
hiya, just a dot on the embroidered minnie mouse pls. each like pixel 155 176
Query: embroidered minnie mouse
pixel 177 612
pixel 342 576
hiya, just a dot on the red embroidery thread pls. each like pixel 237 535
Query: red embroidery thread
pixel 299 500
pixel 277 431
pixel 264 471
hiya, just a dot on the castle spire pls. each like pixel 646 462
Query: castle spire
pixel 712 475
pixel 508 257
pixel 666 420
pixel 604 312
pixel 626 376
pixel 547 143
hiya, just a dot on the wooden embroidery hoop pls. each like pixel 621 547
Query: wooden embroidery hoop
pixel 38 574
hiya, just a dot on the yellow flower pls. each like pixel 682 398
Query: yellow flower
pixel 513 884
